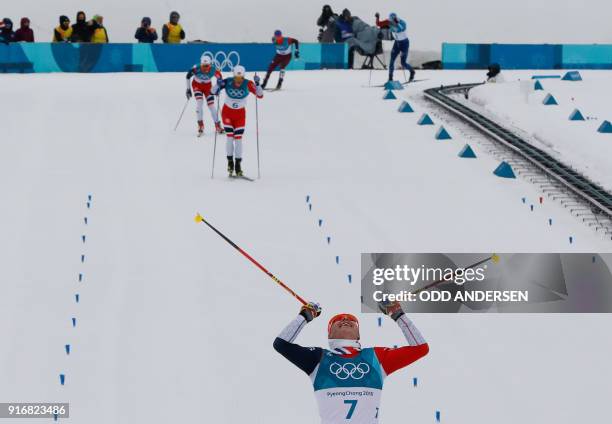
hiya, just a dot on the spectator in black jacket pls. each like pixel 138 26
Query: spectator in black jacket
pixel 24 33
pixel 7 35
pixel 146 33
pixel 327 24
pixel 81 32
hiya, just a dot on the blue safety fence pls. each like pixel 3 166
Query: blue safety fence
pixel 527 56
pixel 66 57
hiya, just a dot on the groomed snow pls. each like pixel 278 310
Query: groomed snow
pixel 548 126
pixel 174 326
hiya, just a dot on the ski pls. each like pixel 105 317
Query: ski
pixel 241 177
pixel 272 89
pixel 413 81
pixel 403 83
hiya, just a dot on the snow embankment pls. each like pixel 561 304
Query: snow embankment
pixel 517 105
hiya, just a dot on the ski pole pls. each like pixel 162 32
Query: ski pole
pixel 198 218
pixel 181 116
pixel 212 173
pixel 257 135
pixel 493 258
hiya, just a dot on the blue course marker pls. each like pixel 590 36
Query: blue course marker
pixel 308 199
pixel 67 348
pixel 415 382
pixel 379 321
pixel 88 205
pixel 531 208
pixel 77 297
pixel 85 219
pixel 328 239
pixel 62 379
pixel 83 238
pixel 80 277
pixel 89 197
pixel 549 221
pixel 438 416
pixel 82 258
pixel 310 206
pixel 320 222
pixel 337 259
pixel 73 322
pixel 350 278
pixel 571 239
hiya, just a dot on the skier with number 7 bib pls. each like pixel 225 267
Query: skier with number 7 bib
pixel 348 379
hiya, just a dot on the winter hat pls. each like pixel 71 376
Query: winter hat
pixel 25 21
pixel 63 18
pixel 146 20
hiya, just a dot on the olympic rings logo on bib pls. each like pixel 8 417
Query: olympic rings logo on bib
pixel 344 371
pixel 224 61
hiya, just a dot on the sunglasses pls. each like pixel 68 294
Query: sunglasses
pixel 342 317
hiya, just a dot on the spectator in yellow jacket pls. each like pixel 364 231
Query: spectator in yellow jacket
pixel 98 32
pixel 63 32
pixel 172 32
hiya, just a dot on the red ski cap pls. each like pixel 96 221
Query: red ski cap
pixel 341 317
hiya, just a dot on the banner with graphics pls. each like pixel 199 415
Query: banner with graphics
pixel 75 57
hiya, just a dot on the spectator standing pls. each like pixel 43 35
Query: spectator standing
pixel 62 32
pixel 327 24
pixel 98 31
pixel 81 32
pixel 7 35
pixel 146 33
pixel 172 32
pixel 24 33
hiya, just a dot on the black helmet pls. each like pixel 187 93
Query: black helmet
pixel 63 19
pixel 174 15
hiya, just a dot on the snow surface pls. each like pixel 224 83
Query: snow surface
pixel 548 126
pixel 173 325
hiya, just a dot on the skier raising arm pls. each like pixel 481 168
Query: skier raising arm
pixel 282 57
pixel 202 75
pixel 237 89
pixel 397 27
pixel 348 379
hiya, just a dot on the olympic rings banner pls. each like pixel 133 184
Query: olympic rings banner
pixel 66 57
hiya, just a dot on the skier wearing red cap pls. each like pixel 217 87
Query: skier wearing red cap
pixel 348 379
pixel 282 57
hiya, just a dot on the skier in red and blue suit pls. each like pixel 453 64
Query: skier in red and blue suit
pixel 283 46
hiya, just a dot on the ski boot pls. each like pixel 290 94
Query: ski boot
pixel 265 82
pixel 219 128
pixel 200 128
pixel 238 168
pixel 230 166
pixel 281 77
